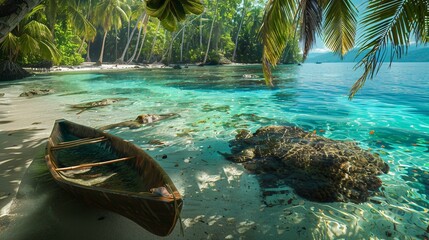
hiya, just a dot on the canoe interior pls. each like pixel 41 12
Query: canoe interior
pixel 134 175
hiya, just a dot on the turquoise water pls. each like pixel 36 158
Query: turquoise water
pixel 213 102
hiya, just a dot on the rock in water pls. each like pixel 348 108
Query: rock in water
pixel 318 168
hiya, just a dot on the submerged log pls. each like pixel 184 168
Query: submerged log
pixel 140 121
pixel 94 104
pixel 318 168
pixel 36 92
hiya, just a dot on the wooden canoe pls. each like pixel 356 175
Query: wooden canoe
pixel 111 173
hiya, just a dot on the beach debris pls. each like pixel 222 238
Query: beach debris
pixel 371 132
pixel 140 121
pixel 1 94
pixel 36 92
pixel 250 76
pixel 156 142
pixel 317 168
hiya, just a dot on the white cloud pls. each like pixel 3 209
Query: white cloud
pixel 320 50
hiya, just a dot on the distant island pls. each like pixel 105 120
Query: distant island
pixel 415 54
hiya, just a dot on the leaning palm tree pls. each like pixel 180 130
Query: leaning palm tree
pixel 386 23
pixel 108 14
pixel 30 38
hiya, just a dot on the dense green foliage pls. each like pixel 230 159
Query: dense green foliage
pixel 68 44
pixel 130 30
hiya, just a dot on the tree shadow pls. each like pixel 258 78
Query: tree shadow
pixel 19 149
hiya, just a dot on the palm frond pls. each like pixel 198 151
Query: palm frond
pixel 28 44
pixel 33 11
pixel 49 51
pixel 311 15
pixel 274 32
pixel 81 24
pixel 387 24
pixel 37 29
pixel 170 12
pixel 340 26
pixel 10 43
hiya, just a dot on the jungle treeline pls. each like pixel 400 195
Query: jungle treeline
pixel 121 31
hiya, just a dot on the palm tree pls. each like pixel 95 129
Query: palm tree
pixel 386 23
pixel 30 38
pixel 211 33
pixel 108 14
pixel 140 13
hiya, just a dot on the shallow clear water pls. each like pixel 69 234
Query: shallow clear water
pixel 213 102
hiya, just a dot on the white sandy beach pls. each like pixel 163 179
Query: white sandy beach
pixel 221 200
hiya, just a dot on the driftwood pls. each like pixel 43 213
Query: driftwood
pixel 140 121
pixel 36 92
pixel 94 104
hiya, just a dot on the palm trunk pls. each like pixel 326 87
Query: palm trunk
pixel 170 50
pixel 136 47
pixel 181 44
pixel 144 37
pixel 210 35
pixel 141 46
pixel 100 59
pixel 201 31
pixel 239 29
pixel 81 46
pixel 88 58
pixel 121 59
pixel 116 43
pixel 154 41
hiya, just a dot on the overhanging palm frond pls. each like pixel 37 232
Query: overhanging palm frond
pixel 276 27
pixel 311 15
pixel 35 28
pixel 340 25
pixel 10 45
pixel 28 44
pixel 387 22
pixel 169 12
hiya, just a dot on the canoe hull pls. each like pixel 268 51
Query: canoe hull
pixel 157 214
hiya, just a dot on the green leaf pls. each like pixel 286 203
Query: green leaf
pixel 311 22
pixel 276 28
pixel 340 26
